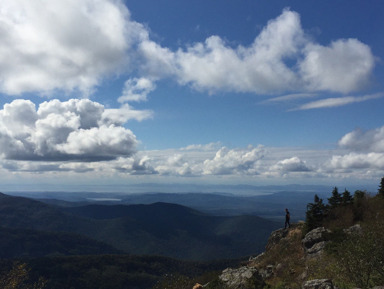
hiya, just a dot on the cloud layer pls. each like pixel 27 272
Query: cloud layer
pixel 74 44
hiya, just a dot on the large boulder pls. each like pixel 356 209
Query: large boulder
pixel 242 278
pixel 316 248
pixel 317 237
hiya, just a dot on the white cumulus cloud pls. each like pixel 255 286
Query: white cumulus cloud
pixel 364 141
pixel 366 152
pixel 281 58
pixel 234 161
pixel 293 164
pixel 70 45
pixel 136 89
pixel 358 161
pixel 70 130
pixel 343 66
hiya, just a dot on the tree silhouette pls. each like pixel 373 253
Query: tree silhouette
pixel 315 214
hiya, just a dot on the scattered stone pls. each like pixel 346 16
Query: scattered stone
pixel 318 284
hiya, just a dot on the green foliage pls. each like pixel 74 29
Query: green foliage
pixel 342 210
pixel 18 278
pixel 354 258
pixel 360 257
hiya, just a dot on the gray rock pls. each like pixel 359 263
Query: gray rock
pixel 315 236
pixel 318 284
pixel 266 272
pixel 317 248
pixel 241 278
pixel 355 229
pixel 257 258
pixel 275 238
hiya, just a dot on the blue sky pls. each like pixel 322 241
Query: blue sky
pixel 116 93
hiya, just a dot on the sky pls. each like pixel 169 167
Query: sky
pixel 111 93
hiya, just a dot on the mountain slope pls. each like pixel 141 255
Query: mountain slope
pixel 16 243
pixel 156 229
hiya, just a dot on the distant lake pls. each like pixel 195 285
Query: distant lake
pixel 104 199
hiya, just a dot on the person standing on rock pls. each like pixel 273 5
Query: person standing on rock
pixel 287 219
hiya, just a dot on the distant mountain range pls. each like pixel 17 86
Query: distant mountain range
pixel 148 229
pixel 270 204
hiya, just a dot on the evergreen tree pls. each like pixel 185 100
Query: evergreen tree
pixel 381 188
pixel 358 207
pixel 358 196
pixel 346 198
pixel 336 199
pixel 315 214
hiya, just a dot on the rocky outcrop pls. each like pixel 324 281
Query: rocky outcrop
pixel 263 268
pixel 318 284
pixel 242 278
pixel 275 238
pixel 314 242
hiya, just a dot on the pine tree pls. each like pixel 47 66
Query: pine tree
pixel 381 188
pixel 336 199
pixel 346 198
pixel 358 207
pixel 315 214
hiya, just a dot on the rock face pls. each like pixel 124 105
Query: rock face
pixel 276 237
pixel 318 284
pixel 242 278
